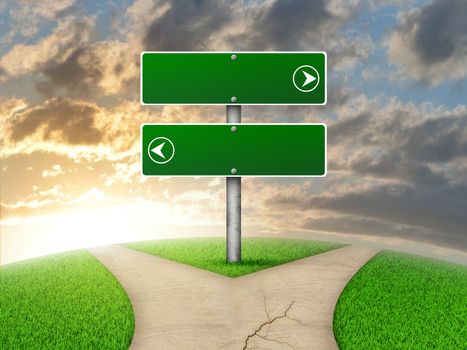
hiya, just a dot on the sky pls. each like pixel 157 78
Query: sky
pixel 396 116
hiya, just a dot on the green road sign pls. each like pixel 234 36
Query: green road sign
pixel 233 149
pixel 233 78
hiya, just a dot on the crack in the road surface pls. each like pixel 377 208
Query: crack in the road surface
pixel 268 324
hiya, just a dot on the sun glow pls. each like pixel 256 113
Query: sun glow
pixel 23 238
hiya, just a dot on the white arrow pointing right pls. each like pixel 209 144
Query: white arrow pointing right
pixel 309 78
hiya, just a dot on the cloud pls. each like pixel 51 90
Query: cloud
pixel 9 107
pixel 104 67
pixel 423 133
pixel 235 25
pixel 174 30
pixel 395 169
pixel 436 215
pixel 214 182
pixel 84 130
pixel 68 63
pixel 438 139
pixel 55 171
pixel 437 208
pixel 360 226
pixel 70 75
pixel 12 105
pixel 37 199
pixel 59 119
pixel 430 42
pixel 394 144
pixel 36 13
pixel 391 166
pixel 286 24
pixel 75 128
pixel 126 173
pixel 308 25
pixel 69 34
pixel 52 199
pixel 115 64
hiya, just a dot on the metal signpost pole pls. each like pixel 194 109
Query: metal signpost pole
pixel 234 199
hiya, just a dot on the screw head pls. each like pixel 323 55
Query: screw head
pixel 233 99
pixel 233 171
pixel 233 128
pixel 233 57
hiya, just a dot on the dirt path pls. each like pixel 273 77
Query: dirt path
pixel 286 307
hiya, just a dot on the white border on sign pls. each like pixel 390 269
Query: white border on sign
pixel 239 104
pixel 238 125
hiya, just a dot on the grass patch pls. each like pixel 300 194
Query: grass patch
pixel 63 301
pixel 402 301
pixel 209 253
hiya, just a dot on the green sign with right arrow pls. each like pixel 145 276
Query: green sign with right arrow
pixel 233 78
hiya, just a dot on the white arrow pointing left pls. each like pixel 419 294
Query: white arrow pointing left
pixel 309 78
pixel 158 150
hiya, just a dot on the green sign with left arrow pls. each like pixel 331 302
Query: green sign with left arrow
pixel 233 149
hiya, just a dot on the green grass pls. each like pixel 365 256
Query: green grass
pixel 401 301
pixel 63 301
pixel 209 253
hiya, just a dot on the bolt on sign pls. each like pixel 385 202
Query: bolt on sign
pixel 241 78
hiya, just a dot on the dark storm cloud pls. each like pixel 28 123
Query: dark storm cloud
pixel 308 25
pixel 68 63
pixel 102 68
pixel 69 75
pixel 69 35
pixel 3 74
pixel 441 30
pixel 62 63
pixel 60 120
pixel 424 160
pixel 360 226
pixel 439 214
pixel 441 208
pixel 73 8
pixel 437 140
pixel 391 166
pixel 276 25
pixel 430 42
pixel 187 25
pixel 344 130
pixel 337 96
pixel 396 150
pixel 286 23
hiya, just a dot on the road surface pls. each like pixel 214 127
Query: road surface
pixel 285 307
